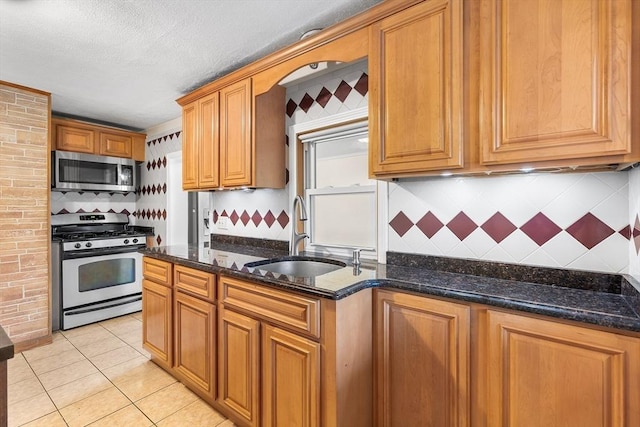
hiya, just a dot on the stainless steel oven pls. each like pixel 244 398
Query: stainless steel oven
pixel 97 268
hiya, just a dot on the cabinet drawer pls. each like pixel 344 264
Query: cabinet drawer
pixel 297 312
pixel 196 282
pixel 157 270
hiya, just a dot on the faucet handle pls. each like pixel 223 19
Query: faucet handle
pixel 356 254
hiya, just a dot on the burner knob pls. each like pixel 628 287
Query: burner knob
pixel 88 244
pixel 135 240
pixel 77 245
pixel 126 241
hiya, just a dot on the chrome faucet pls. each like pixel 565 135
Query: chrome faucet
pixel 295 236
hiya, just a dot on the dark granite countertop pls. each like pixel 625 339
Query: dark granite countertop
pixel 6 346
pixel 600 299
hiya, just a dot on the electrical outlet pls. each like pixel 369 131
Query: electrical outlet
pixel 223 223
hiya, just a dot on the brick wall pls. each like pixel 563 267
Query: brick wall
pixel 24 214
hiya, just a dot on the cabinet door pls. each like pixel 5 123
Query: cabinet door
pixel 195 343
pixel 115 145
pixel 75 139
pixel 554 79
pixel 208 141
pixel 415 98
pixel 157 334
pixel 542 373
pixel 290 379
pixel 235 135
pixel 421 361
pixel 238 366
pixel 189 146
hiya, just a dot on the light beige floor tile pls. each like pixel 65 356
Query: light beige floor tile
pixel 102 346
pixel 67 374
pixel 165 402
pixel 56 361
pixel 58 336
pixel 18 370
pixel 144 383
pixel 28 410
pixel 94 408
pixel 83 330
pixel 127 416
pixel 52 420
pixel 24 390
pixel 137 315
pixel 48 350
pixel 122 325
pixel 197 413
pixel 226 423
pixel 133 338
pixel 95 336
pixel 114 357
pixel 80 389
pixel 120 371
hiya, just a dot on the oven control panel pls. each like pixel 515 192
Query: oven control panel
pixel 103 243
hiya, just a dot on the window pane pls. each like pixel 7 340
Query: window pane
pixel 342 163
pixel 344 219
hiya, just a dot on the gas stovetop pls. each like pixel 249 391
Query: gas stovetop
pixel 87 231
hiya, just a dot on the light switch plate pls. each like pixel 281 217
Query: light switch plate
pixel 223 223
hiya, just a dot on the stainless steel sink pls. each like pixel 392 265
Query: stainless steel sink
pixel 299 266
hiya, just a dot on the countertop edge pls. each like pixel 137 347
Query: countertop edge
pixel 6 346
pixel 600 319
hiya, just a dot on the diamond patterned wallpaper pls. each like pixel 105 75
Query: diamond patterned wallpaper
pixel 576 221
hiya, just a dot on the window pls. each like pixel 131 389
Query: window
pixel 340 197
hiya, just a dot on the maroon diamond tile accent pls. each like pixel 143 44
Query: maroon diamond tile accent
pixel 429 225
pixel 589 230
pixel 178 133
pixel 286 176
pixel 245 218
pixel 96 210
pixel 63 211
pixel 256 218
pixel 283 219
pixel 153 189
pixel 164 188
pixel 286 140
pixel 498 227
pixel 159 240
pixel 343 91
pixel 540 229
pixel 636 234
pixel 148 165
pixel 153 164
pixel 269 219
pixel 124 211
pixel 461 225
pixel 215 217
pixel 111 211
pixel 291 107
pixel 148 214
pixel 626 232
pixel 81 211
pixel 164 214
pixel 164 161
pixel 224 213
pixel 362 86
pixel 306 102
pixel 153 214
pixel 323 97
pixel 234 217
pixel 401 224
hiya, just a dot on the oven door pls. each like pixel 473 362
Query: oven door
pixel 92 279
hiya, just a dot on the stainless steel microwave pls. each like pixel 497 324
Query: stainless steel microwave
pixel 87 172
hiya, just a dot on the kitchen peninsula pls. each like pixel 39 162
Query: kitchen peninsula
pixel 485 334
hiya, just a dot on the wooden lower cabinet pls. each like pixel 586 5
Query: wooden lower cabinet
pixel 290 379
pixel 543 373
pixel 422 361
pixel 195 344
pixel 238 367
pixel 157 326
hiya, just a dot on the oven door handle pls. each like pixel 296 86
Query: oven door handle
pixel 102 251
pixel 102 307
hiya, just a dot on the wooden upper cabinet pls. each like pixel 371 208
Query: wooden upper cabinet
pixel 70 138
pixel 416 90
pixel 542 373
pixel 84 137
pixel 554 80
pixel 200 143
pixel 190 163
pixel 235 135
pixel 115 145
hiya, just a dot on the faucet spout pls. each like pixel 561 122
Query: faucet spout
pixel 302 216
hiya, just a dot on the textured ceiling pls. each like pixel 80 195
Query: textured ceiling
pixel 126 61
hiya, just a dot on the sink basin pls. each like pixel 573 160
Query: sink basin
pixel 299 266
